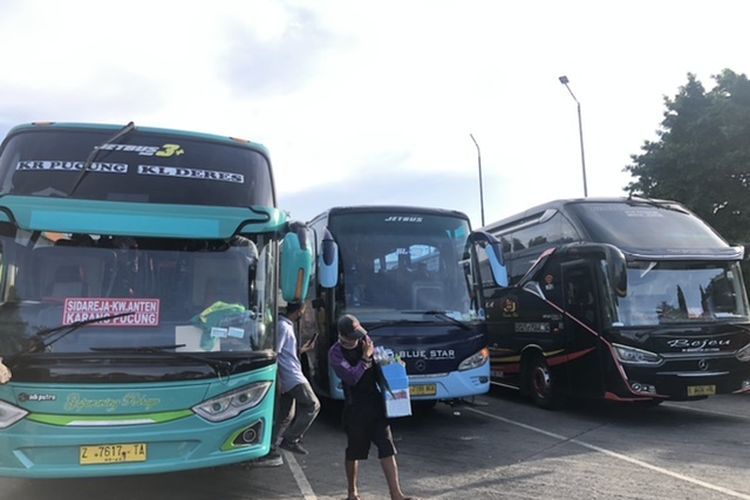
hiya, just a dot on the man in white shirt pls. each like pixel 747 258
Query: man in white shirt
pixel 298 406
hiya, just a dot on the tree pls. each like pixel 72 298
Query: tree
pixel 702 157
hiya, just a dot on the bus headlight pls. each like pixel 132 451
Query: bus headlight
pixel 744 353
pixel 633 356
pixel 475 360
pixel 233 403
pixel 10 414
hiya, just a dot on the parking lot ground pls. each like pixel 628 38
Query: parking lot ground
pixel 502 447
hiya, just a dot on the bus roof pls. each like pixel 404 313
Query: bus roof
pixel 391 208
pixel 560 203
pixel 101 126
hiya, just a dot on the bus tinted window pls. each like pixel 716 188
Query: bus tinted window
pixel 140 167
pixel 555 231
pixel 395 262
pixel 641 225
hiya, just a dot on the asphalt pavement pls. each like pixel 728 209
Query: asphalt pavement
pixel 500 447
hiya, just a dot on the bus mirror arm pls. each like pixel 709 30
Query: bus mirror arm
pixel 534 288
pixel 494 250
pixel 616 263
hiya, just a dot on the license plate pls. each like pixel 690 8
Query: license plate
pixel 423 390
pixel 701 390
pixel 112 453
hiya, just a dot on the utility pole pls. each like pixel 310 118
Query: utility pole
pixel 481 191
pixel 564 80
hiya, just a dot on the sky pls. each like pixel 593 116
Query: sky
pixel 365 102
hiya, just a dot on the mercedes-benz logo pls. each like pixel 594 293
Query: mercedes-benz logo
pixel 420 365
pixel 703 364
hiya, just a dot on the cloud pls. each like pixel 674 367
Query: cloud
pixel 388 187
pixel 279 63
pixel 117 98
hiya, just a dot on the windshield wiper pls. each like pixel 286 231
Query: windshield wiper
pixel 220 367
pixel 94 152
pixel 655 203
pixel 397 322
pixel 37 341
pixel 441 315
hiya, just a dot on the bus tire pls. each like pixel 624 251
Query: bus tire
pixel 541 385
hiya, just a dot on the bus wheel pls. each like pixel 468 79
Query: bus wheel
pixel 541 385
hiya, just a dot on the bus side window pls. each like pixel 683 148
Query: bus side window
pixel 579 294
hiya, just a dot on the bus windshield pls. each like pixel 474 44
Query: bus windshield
pixel 138 167
pixel 399 263
pixel 186 295
pixel 672 292
pixel 640 225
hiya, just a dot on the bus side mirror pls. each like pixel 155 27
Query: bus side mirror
pixel 296 263
pixel 618 272
pixel 494 250
pixel 328 262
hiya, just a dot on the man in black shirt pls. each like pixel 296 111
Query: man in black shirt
pixel 365 420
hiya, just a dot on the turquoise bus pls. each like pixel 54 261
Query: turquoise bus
pixel 139 270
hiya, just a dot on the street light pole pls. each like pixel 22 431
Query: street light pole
pixel 479 161
pixel 564 80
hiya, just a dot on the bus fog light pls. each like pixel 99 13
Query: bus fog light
pixel 251 435
pixel 233 403
pixel 642 388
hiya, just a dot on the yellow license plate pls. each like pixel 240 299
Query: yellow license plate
pixel 701 390
pixel 112 453
pixel 423 390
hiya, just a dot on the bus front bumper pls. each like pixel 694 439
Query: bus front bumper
pixel 680 383
pixel 438 386
pixel 453 385
pixel 38 450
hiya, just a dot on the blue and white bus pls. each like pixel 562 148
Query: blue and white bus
pixel 406 273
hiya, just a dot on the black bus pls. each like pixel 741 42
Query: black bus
pixel 407 274
pixel 625 299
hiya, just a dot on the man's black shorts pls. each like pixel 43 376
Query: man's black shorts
pixel 365 423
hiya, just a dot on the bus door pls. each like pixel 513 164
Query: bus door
pixel 582 300
pixel 487 280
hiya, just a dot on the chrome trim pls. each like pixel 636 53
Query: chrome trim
pixel 108 423
pixel 508 386
pixel 693 374
pixel 688 356
pixel 426 376
pixel 737 256
pixel 542 218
